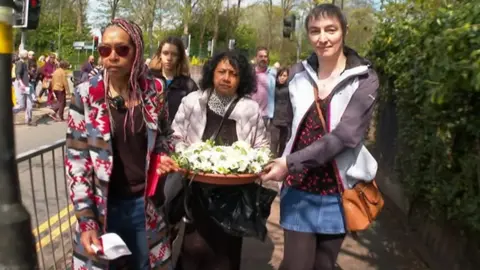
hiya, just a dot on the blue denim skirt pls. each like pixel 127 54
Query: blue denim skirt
pixel 310 213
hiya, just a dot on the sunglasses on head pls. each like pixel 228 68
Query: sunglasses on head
pixel 121 50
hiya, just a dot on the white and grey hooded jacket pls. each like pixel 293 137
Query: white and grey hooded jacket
pixel 349 113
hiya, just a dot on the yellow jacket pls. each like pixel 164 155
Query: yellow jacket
pixel 59 80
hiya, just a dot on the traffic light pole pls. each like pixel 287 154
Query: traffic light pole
pixel 17 246
pixel 22 39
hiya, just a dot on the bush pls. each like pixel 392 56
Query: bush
pixel 197 61
pixel 428 59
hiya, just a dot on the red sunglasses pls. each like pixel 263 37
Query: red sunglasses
pixel 120 50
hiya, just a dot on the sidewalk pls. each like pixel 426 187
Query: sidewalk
pixel 384 246
pixel 38 114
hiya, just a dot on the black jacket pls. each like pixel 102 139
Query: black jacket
pixel 21 72
pixel 180 87
pixel 283 113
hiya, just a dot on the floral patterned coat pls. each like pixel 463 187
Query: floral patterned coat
pixel 89 161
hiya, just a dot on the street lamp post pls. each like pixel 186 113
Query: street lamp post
pixel 17 246
pixel 59 45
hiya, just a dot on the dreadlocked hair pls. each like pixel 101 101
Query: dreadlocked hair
pixel 139 69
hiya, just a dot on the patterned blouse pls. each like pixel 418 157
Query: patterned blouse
pixel 321 180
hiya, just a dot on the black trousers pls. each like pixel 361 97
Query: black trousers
pixel 278 137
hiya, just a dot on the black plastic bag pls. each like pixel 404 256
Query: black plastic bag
pixel 240 210
pixel 174 197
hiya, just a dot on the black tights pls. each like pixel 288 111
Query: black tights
pixel 308 251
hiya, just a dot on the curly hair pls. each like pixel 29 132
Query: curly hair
pixel 247 77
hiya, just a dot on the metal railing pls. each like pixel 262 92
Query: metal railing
pixel 45 195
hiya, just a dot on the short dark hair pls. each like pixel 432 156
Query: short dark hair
pixel 327 10
pixel 248 82
pixel 261 48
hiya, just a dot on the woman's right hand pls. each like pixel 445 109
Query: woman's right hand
pixel 88 238
pixel 166 165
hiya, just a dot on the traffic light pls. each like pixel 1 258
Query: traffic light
pixel 289 26
pixel 20 13
pixel 33 17
pixel 26 14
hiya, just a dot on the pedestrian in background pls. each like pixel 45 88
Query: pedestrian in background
pixel 61 89
pixel 170 64
pixel 47 72
pixel 22 88
pixel 283 114
pixel 265 94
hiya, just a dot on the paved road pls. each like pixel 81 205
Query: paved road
pixel 44 191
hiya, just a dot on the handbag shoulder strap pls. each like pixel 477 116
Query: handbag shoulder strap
pixel 324 125
pixel 254 137
pixel 319 109
pixel 225 116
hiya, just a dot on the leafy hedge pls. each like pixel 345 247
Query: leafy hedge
pixel 428 58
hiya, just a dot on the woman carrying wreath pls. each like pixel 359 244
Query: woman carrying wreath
pixel 227 80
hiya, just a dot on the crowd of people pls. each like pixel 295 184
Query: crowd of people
pixel 129 116
pixel 32 79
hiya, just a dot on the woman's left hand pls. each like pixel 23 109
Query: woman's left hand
pixel 166 165
pixel 277 170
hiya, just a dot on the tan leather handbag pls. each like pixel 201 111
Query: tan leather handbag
pixel 362 203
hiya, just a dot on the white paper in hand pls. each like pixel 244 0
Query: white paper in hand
pixel 113 247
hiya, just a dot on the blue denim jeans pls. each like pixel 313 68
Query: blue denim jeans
pixel 127 219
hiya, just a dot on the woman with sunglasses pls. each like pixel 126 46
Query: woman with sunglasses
pixel 118 123
pixel 170 63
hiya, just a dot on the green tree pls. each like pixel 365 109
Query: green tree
pixel 45 39
pixel 428 57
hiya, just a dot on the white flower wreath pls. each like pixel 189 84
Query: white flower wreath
pixel 239 158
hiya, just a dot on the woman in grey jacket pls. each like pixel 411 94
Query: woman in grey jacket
pixel 322 159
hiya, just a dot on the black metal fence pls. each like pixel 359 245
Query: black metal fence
pixel 45 195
